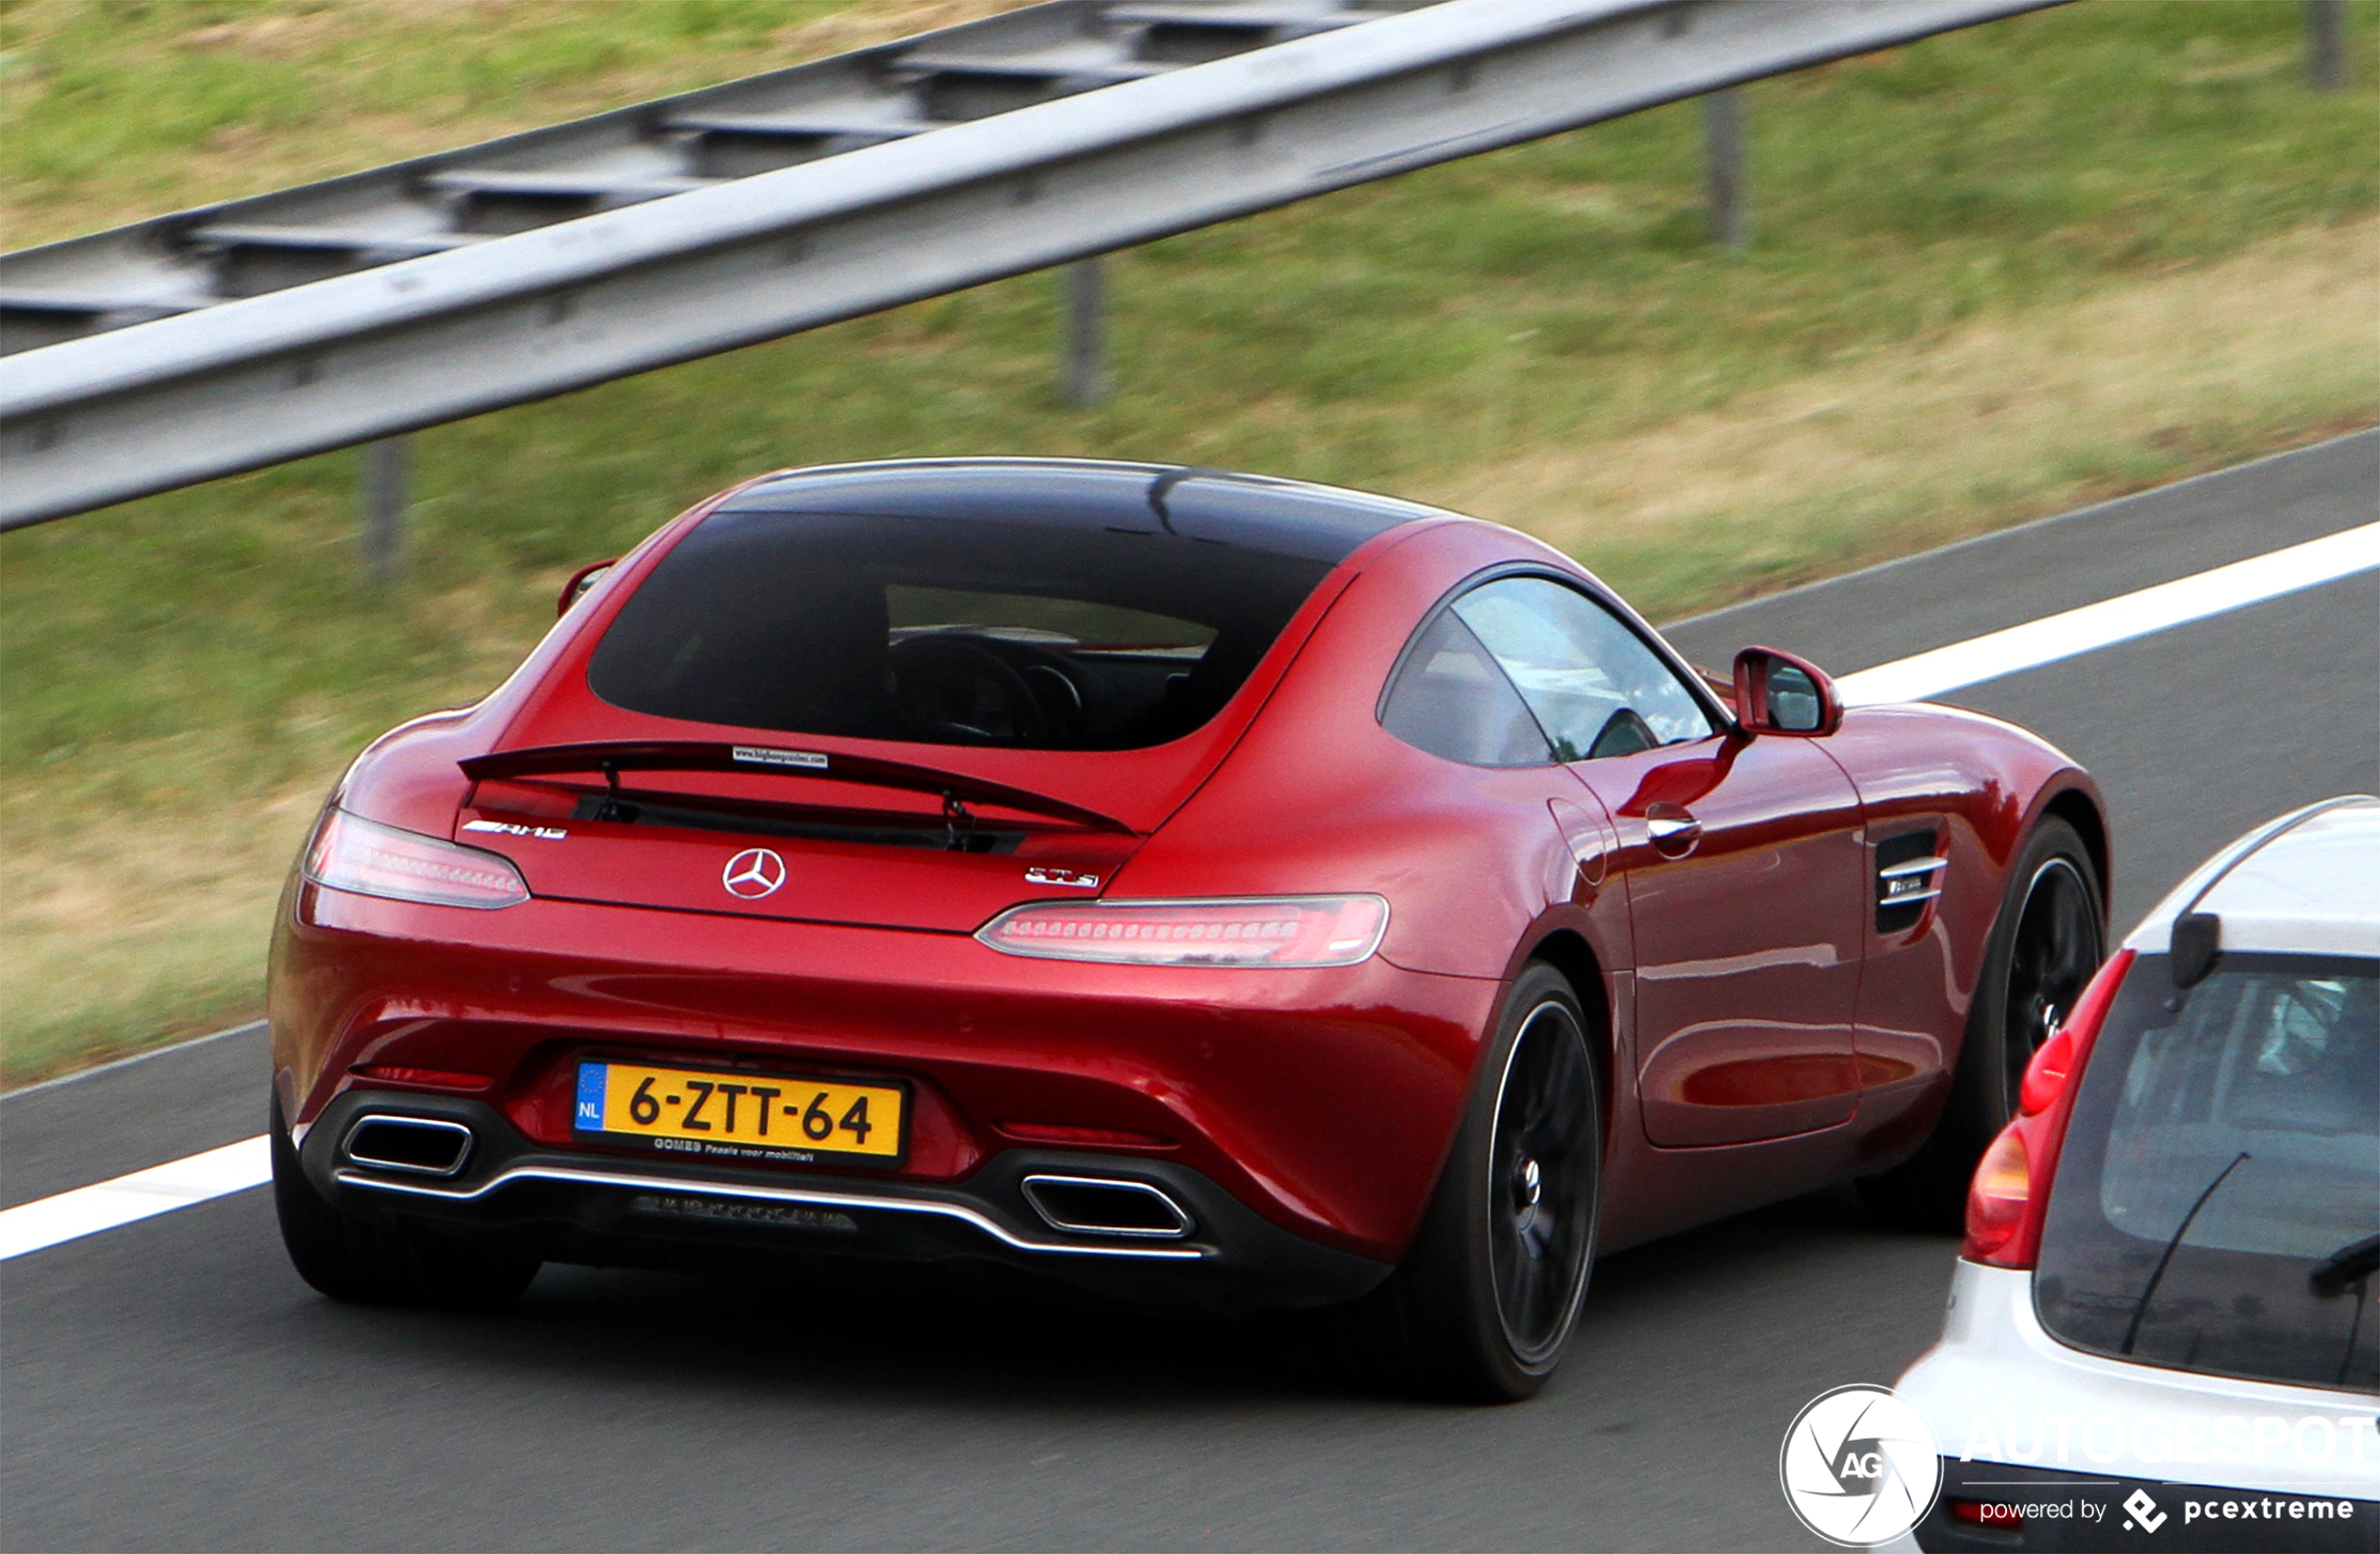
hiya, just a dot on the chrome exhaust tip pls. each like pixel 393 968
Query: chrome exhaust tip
pixel 415 1146
pixel 1105 1206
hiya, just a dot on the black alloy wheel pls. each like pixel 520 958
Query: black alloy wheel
pixel 1541 1212
pixel 384 1262
pixel 2057 948
pixel 1484 1304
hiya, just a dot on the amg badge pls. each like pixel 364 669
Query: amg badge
pixel 545 833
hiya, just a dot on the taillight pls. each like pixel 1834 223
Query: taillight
pixel 1997 1200
pixel 2009 1195
pixel 1283 931
pixel 350 852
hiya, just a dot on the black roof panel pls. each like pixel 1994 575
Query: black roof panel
pixel 1258 512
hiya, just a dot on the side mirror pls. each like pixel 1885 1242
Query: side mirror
pixel 1779 694
pixel 581 580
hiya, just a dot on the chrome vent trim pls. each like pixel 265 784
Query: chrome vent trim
pixel 1910 871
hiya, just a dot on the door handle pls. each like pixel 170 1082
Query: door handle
pixel 1673 829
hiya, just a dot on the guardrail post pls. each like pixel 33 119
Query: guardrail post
pixel 2326 44
pixel 388 469
pixel 1731 218
pixel 1086 286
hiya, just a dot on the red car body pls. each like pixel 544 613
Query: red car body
pixel 1759 1033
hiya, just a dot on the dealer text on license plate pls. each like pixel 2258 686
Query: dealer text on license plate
pixel 760 1112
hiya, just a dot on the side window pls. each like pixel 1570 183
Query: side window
pixel 1451 700
pixel 1596 688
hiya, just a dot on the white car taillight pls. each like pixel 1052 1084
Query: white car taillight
pixel 2009 1196
pixel 1998 1199
pixel 1282 932
pixel 351 853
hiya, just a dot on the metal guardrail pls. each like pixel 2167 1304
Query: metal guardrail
pixel 917 169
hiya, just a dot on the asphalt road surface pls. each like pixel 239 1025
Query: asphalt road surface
pixel 171 1385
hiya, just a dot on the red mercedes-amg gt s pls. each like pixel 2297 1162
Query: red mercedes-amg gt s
pixel 1187 885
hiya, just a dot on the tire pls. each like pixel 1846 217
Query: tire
pixel 1483 1304
pixel 382 1262
pixel 2048 938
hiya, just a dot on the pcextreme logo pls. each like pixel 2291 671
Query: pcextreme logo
pixel 1859 1466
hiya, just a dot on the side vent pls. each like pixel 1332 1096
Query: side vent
pixel 1908 876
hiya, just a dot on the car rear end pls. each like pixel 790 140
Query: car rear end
pixel 772 911
pixel 2160 1331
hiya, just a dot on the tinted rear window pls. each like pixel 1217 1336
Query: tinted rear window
pixel 2237 1124
pixel 1074 630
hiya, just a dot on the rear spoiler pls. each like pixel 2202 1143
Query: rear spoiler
pixel 611 759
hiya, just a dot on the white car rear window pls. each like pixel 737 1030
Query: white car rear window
pixel 2225 1143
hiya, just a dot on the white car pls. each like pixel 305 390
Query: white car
pixel 2159 1334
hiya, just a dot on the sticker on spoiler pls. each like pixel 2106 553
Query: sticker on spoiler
pixel 761 755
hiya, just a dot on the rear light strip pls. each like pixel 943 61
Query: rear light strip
pixel 2010 1196
pixel 351 853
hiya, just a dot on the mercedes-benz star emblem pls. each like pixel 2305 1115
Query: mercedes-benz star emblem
pixel 753 873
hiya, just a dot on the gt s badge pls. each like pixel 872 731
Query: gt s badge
pixel 1040 876
pixel 756 872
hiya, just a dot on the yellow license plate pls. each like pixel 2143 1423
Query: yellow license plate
pixel 764 1115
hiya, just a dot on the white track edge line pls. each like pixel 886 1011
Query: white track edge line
pixel 236 1167
pixel 1992 536
pixel 120 1201
pixel 2139 613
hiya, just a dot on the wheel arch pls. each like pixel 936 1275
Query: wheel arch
pixel 1569 954
pixel 2078 809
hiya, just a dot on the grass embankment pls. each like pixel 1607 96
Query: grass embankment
pixel 1995 275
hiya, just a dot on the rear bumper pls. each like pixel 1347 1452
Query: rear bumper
pixel 605 1210
pixel 2021 1419
pixel 1318 1104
